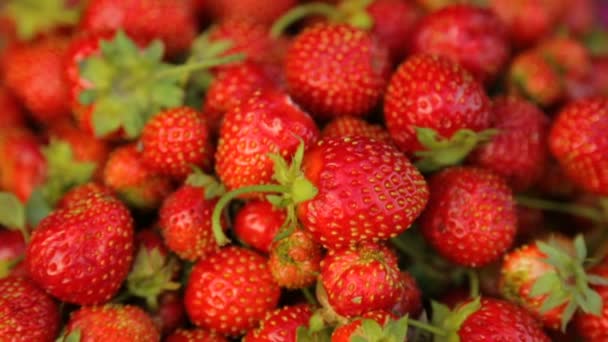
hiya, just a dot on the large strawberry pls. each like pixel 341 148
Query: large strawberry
pixel 295 260
pixel 282 323
pixel 577 142
pixel 27 313
pixel 348 126
pixel 470 219
pixel 589 326
pixel 257 223
pixel 236 282
pixel 83 253
pixel 196 335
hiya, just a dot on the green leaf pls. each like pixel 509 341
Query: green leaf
pixel 597 280
pixel 166 95
pixel 398 328
pixel 592 303
pixel 33 17
pixel 568 314
pixel 554 256
pixel 580 247
pixel 106 118
pixel 545 284
pixel 74 336
pixel 371 329
pixel 154 52
pixel 87 97
pixel 281 168
pixel 552 301
pixel 12 212
pixel 37 208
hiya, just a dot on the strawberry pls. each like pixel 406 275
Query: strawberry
pixel 295 261
pixel 472 36
pixel 264 13
pixel 83 253
pixel 197 335
pixel 532 75
pixel 362 279
pixel 127 175
pixel 346 126
pixel 568 55
pixel 12 250
pixel 336 70
pixel 269 122
pixel 372 326
pixel 83 193
pixel 236 282
pixel 96 323
pixel 470 219
pixel 171 313
pixel 433 94
pixel 257 223
pixel 518 152
pixel 174 141
pixel 171 21
pixel 185 218
pixel 410 300
pixel 28 313
pixel 11 115
pixel 592 327
pixel 280 324
pixel 577 142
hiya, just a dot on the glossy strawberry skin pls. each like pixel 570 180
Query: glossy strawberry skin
pixel 295 261
pixel 83 253
pixel 257 223
pixel 196 335
pixel 175 140
pixel 280 324
pixel 362 279
pixel 345 332
pixel 367 191
pixel 264 13
pixel 185 221
pixel 336 70
pixel 472 36
pixel 595 328
pixel 96 323
pixel 519 151
pixel 268 122
pixel 347 126
pixel 27 312
pixel 470 219
pixel 433 92
pixel 236 282
pixel 577 141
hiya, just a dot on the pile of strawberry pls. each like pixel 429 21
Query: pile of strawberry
pixel 354 170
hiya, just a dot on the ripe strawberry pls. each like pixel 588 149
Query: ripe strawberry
pixel 362 279
pixel 532 75
pixel 171 313
pixel 295 261
pixel 11 114
pixel 257 223
pixel 470 219
pixel 127 322
pixel 592 327
pixel 83 193
pixel 236 282
pixel 410 300
pixel 577 142
pixel 346 126
pixel 269 122
pixel 357 327
pixel 172 21
pixel 472 36
pixel 367 191
pixel 518 152
pixel 83 253
pixel 127 175
pixel 175 140
pixel 28 313
pixel 568 55
pixel 433 92
pixel 336 70
pixel 12 250
pixel 197 335
pixel 35 73
pixel 264 13
pixel 280 324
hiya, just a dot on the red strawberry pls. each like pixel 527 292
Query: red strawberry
pixel 28 313
pixel 518 152
pixel 127 175
pixel 12 251
pixel 36 75
pixel 356 327
pixel 83 253
pixel 295 261
pixel 346 126
pixel 257 223
pixel 568 55
pixel 175 140
pixel 336 70
pixel 197 335
pixel 470 219
pixel 280 324
pixel 592 327
pixel 11 114
pixel 236 282
pixel 83 193
pixel 410 302
pixel 532 75
pixel 577 142
pixel 472 36
pixel 171 313
pixel 172 21
pixel 362 279
pixel 269 122
pixel 126 322
pixel 367 191
pixel 433 92
pixel 264 13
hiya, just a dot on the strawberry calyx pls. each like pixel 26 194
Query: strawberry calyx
pixel 441 152
pixel 316 331
pixel 12 214
pixel 213 188
pixel 33 17
pixel 73 336
pixel 372 331
pixel 446 323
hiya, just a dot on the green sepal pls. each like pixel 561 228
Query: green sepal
pixel 451 321
pixel 372 331
pixel 33 17
pixel 441 152
pixel 37 208
pixel 213 188
pixel 316 331
pixel 354 12
pixel 7 265
pixel 12 211
pixel 74 336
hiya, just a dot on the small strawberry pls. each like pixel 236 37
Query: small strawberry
pixel 519 151
pixel 346 126
pixel 12 251
pixel 196 335
pixel 83 253
pixel 257 223
pixel 280 324
pixel 295 261
pixel 592 327
pixel 175 140
pixel 336 70
pixel 125 322
pixel 568 55
pixel 236 282
pixel 410 300
pixel 372 326
pixel 127 175
pixel 171 313
pixel 470 219
pixel 577 142
pixel 264 13
pixel 533 76
pixel 11 114
pixel 27 313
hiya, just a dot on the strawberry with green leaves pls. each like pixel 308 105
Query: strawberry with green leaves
pixel 295 260
pixel 281 324
pixel 347 126
pixel 257 223
pixel 372 326
pixel 531 75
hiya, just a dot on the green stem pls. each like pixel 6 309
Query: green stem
pixel 309 297
pixel 206 64
pixel 427 327
pixel 473 283
pixel 586 212
pixel 301 12
pixel 218 232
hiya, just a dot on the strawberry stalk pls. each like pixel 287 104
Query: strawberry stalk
pixel 589 213
pixel 473 283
